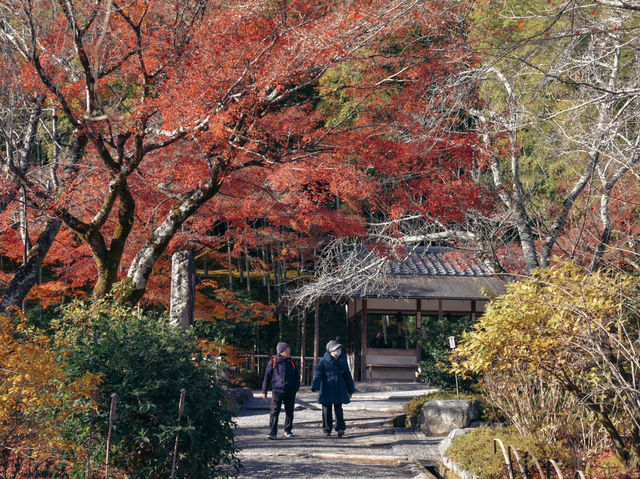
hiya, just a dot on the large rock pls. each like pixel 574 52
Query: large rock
pixel 237 397
pixel 440 417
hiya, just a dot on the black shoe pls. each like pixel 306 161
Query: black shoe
pixel 327 433
pixel 271 436
pixel 340 433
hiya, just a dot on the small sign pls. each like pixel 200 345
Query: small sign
pixel 452 342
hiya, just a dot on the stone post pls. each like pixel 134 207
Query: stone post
pixel 183 289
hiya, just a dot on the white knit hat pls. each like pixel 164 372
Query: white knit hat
pixel 333 345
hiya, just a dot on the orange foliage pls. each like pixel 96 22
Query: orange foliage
pixel 225 305
pixel 236 85
pixel 35 395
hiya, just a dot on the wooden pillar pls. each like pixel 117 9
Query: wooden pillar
pixel 316 334
pixel 303 346
pixel 440 313
pixel 363 356
pixel 473 310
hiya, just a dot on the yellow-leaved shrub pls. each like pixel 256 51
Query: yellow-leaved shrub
pixel 35 399
pixel 564 338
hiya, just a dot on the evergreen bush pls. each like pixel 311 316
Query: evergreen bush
pixel 147 362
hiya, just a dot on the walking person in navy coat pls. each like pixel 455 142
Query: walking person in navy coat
pixel 284 379
pixel 335 383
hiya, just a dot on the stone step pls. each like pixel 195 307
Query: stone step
pixel 392 386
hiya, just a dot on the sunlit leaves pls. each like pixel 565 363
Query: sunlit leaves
pixel 35 395
pixel 577 331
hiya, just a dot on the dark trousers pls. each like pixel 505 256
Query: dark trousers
pixel 327 417
pixel 289 401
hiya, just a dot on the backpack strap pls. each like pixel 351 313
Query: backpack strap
pixel 292 363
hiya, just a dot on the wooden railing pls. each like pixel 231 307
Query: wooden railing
pixel 258 363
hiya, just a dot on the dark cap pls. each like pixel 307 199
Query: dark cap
pixel 281 347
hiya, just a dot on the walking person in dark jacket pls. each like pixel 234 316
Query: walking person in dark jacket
pixel 284 379
pixel 335 383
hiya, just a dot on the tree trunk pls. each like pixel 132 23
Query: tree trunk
pixel 230 263
pixel 567 205
pixel 247 266
pixel 145 260
pixel 107 267
pixel 603 418
pixel 27 274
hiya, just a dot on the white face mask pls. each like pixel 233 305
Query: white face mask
pixel 336 352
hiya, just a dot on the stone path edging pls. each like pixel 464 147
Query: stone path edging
pixel 447 462
pixel 456 469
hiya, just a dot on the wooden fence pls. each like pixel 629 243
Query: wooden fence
pixel 258 363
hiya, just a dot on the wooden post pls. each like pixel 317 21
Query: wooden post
pixel 112 417
pixel 363 357
pixel 316 334
pixel 95 397
pixel 183 393
pixel 473 310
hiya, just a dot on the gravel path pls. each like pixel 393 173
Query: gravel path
pixel 371 448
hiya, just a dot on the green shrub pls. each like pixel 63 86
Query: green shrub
pixel 147 362
pixel 413 408
pixel 474 451
pixel 435 365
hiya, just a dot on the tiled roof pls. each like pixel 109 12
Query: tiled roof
pixel 439 261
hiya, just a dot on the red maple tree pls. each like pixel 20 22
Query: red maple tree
pixel 179 115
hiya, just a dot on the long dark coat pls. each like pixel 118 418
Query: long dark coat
pixel 334 380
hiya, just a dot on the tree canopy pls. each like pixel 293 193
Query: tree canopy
pixel 173 117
